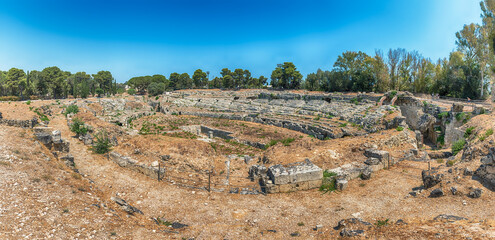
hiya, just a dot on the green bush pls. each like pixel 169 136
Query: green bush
pixel 328 182
pixel 443 115
pixel 28 102
pixel 131 91
pixel 71 109
pixel 460 116
pixel 469 131
pixel 458 146
pixel 441 139
pixel 102 144
pixel 99 91
pixel 399 128
pixel 78 127
pixel 343 125
pixel 381 223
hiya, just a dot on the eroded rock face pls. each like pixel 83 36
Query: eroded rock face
pixel 486 172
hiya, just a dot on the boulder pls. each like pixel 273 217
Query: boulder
pixel 351 233
pixel 44 138
pixel 430 180
pixel 56 136
pixel 486 172
pixel 436 193
pixel 476 193
pixel 257 172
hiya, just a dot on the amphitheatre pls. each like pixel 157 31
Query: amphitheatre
pixel 248 164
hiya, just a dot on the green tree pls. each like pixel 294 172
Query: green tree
pixel 227 81
pixel 14 78
pixel 286 76
pixel 104 80
pixel 199 78
pixel 156 88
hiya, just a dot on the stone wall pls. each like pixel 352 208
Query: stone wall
pixel 19 123
pixel 127 162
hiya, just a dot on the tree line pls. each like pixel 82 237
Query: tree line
pixel 52 82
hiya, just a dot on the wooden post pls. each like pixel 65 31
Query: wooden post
pixel 209 181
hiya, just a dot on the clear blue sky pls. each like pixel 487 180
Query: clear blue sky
pixel 134 38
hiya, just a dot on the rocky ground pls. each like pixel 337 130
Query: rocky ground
pixel 44 198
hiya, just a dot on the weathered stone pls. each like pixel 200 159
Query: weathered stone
pixel 126 206
pixel 351 222
pixel 56 136
pixel 476 193
pixel 448 218
pixel 375 153
pixel 436 193
pixel 372 161
pixel 430 180
pixel 341 184
pixel 366 174
pixel 69 160
pixel 468 172
pixel 293 173
pixel 44 138
pixel 257 171
pixel 453 190
pixel 178 225
pixel 351 233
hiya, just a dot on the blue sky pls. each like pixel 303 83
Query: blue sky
pixel 134 38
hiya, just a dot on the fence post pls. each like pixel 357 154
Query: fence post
pixel 209 181
pixel 227 163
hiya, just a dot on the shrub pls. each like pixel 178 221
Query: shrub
pixel 469 131
pixel 102 145
pixel 443 115
pixel 441 139
pixel 343 125
pixel 486 134
pixel 71 109
pixel 460 116
pixel 399 128
pixel 458 146
pixel 28 102
pixel 392 94
pixel 99 91
pixel 78 127
pixel 131 91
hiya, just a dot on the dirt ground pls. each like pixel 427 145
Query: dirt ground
pixel 42 198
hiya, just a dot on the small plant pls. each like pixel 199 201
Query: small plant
pixel 76 175
pixel 469 131
pixel 328 182
pixel 66 210
pixel 28 102
pixel 450 163
pixel 343 125
pixel 486 134
pixel 392 94
pixel 113 233
pixel 287 141
pixel 300 224
pixel 317 118
pixel 102 145
pixel 399 128
pixel 381 223
pixel 362 184
pixel 440 160
pixel 425 103
pixel 78 127
pixel 460 116
pixel 441 139
pixel 71 109
pixel 458 146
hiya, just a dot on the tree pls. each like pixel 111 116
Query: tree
pixel 14 78
pixel 156 88
pixel 184 82
pixel 140 83
pixel 174 79
pixel 56 81
pixel 286 76
pixel 228 81
pixel 199 78
pixel 104 80
pixel 473 41
pixel 356 70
